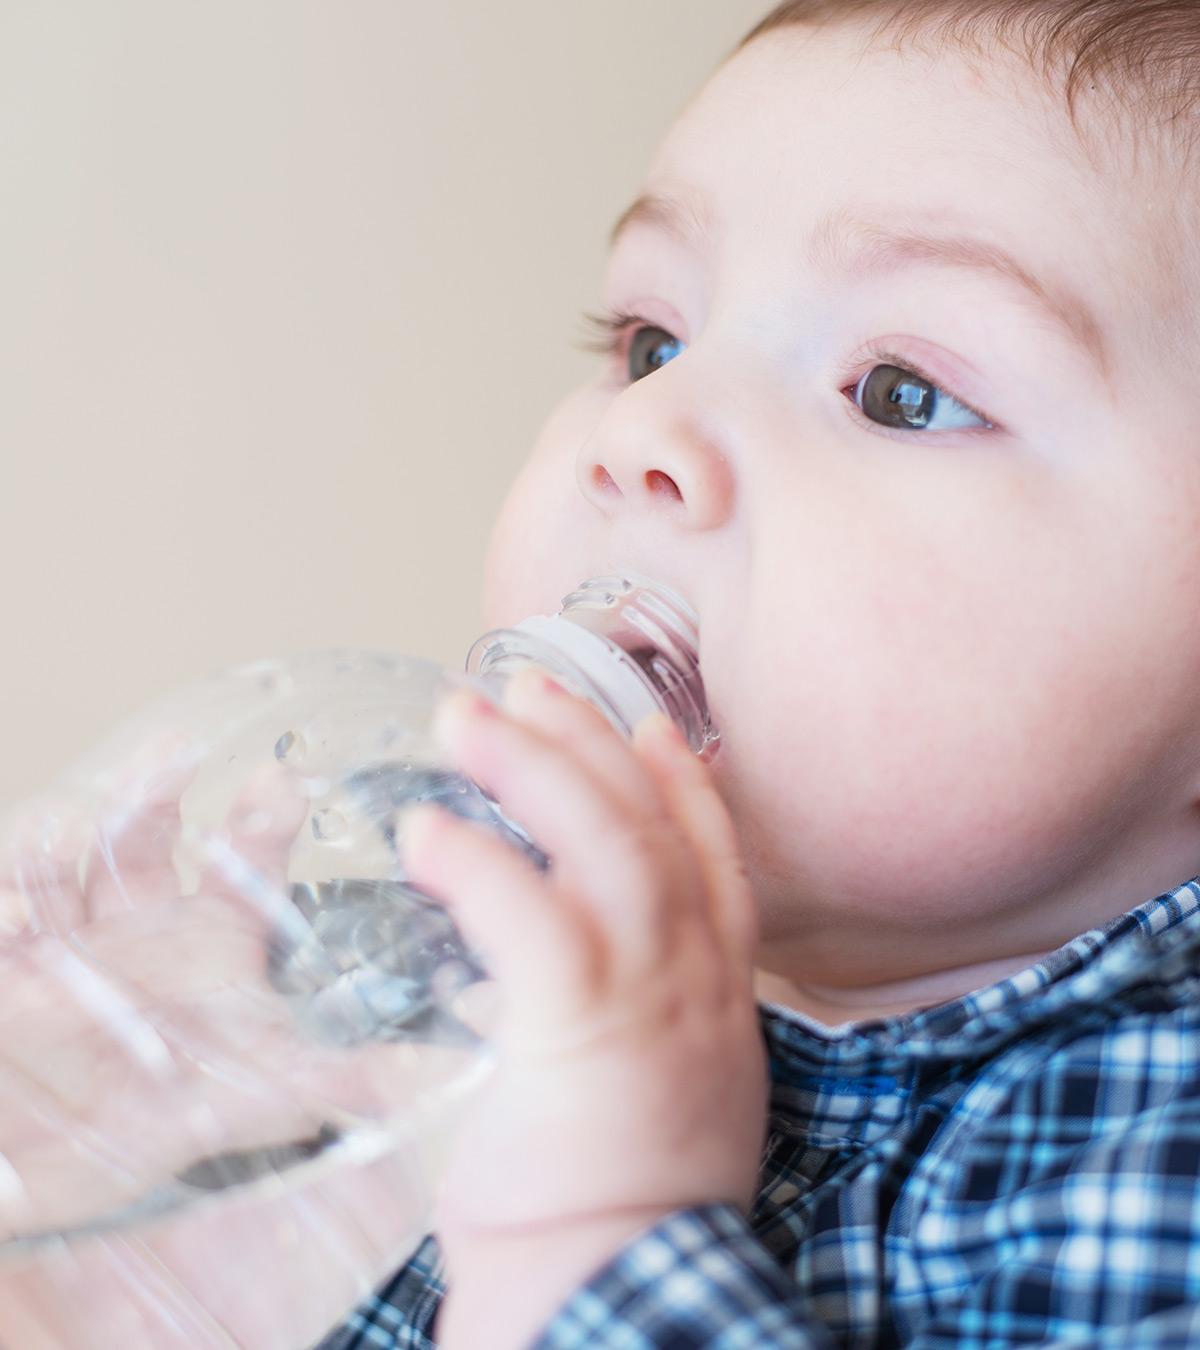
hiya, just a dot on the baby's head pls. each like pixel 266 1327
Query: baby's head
pixel 905 407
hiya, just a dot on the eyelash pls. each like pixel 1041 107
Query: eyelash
pixel 607 330
pixel 609 327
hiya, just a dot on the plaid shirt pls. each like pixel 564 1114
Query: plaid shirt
pixel 1020 1166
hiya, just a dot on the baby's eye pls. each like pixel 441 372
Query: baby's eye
pixel 896 397
pixel 649 349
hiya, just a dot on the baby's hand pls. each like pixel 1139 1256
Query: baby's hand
pixel 631 1075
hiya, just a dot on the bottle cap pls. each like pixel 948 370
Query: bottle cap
pixel 627 643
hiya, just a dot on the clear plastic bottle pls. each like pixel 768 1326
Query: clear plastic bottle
pixel 218 894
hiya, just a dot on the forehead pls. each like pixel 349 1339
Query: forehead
pixel 802 113
pixel 802 127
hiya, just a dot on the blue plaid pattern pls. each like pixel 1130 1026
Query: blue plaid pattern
pixel 1020 1166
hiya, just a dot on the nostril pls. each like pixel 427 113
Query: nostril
pixel 602 480
pixel 662 483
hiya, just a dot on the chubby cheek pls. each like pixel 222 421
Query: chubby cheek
pixel 542 542
pixel 948 752
pixel 891 824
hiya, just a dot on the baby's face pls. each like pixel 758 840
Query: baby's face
pixel 911 422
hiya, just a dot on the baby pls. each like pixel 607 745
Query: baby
pixel 883 1028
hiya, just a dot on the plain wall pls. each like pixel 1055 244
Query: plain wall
pixel 286 291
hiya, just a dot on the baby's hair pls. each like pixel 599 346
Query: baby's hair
pixel 1144 55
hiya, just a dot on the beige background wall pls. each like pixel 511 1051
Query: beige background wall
pixel 286 289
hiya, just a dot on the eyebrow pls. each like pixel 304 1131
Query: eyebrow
pixel 850 242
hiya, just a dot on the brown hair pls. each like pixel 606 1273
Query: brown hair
pixel 1142 54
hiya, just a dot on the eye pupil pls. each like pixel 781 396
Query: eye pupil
pixel 896 397
pixel 651 349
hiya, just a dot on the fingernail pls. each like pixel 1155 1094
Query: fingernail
pixel 470 703
pixel 530 679
pixel 458 708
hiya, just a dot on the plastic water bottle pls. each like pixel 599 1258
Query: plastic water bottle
pixel 218 893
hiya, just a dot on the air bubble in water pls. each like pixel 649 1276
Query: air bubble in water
pixel 328 825
pixel 290 747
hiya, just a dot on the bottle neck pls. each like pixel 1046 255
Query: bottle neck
pixel 627 644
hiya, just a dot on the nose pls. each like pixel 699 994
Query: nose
pixel 655 452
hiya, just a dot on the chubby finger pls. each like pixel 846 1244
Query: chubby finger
pixel 687 784
pixel 544 948
pixel 537 700
pixel 631 867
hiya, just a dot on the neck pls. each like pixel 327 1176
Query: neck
pixel 834 1005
